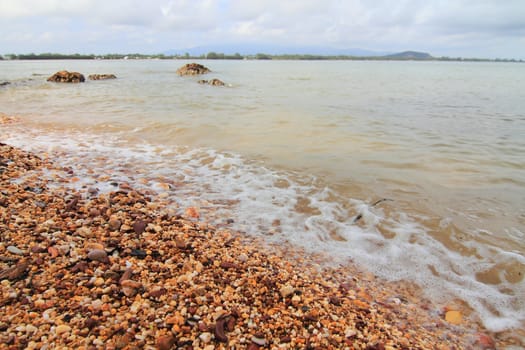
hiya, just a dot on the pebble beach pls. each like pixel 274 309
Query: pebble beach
pixel 81 269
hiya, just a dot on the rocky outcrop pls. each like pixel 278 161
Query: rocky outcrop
pixel 4 83
pixel 192 69
pixel 67 77
pixel 101 76
pixel 214 82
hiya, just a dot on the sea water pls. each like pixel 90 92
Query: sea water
pixel 413 170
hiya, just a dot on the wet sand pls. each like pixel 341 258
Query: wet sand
pixel 85 270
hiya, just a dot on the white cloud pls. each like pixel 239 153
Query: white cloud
pixel 381 24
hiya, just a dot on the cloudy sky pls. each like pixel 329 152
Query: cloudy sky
pixel 467 28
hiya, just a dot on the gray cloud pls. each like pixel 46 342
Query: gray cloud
pixel 461 27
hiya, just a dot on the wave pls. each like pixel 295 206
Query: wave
pixel 301 209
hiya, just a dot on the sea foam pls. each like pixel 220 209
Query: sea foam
pixel 292 207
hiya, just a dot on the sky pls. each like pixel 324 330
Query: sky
pixel 454 28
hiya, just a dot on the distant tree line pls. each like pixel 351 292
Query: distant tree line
pixel 237 56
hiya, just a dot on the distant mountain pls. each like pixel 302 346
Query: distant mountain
pixel 410 55
pixel 252 49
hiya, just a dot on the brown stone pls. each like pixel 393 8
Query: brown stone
pixel 165 342
pixel 98 255
pixel 67 77
pixel 139 226
pixel 192 69
pixel 15 272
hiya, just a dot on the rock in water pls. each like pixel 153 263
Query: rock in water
pixel 192 69
pixel 67 77
pixel 213 82
pixel 101 76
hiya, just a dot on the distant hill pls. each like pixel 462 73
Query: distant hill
pixel 410 55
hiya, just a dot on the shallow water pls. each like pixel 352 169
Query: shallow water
pixel 301 151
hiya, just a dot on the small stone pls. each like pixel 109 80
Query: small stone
pixel 139 253
pixel 453 317
pixel 15 272
pixel 84 232
pixel 180 242
pixel 129 292
pixel 93 212
pixel 243 257
pixel 157 292
pixel 165 342
pixel 90 323
pixel 139 226
pixel 31 329
pixel 296 299
pixel 60 329
pixel 205 337
pixel 219 330
pixel 37 249
pixel 94 245
pixel 126 275
pixel 130 288
pixel 258 340
pixel 14 250
pixel 131 284
pixel 99 281
pixel 485 341
pixel 53 251
pixel 114 224
pixel 286 290
pixel 98 255
pixel 192 212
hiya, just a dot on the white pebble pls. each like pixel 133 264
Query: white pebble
pixel 14 250
pixel 205 337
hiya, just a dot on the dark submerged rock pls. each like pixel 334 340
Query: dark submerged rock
pixel 213 82
pixel 101 76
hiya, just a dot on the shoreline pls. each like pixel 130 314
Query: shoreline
pixel 82 269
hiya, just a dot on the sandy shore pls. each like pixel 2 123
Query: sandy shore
pixel 85 270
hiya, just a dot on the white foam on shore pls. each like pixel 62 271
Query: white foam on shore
pixel 294 208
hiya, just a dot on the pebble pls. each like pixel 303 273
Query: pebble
pixel 259 341
pixel 84 232
pixel 205 337
pixel 14 250
pixel 31 329
pixel 98 255
pixel 296 299
pixel 485 341
pixel 114 224
pixel 453 317
pixel 192 212
pixel 165 342
pixel 286 291
pixel 139 226
pixel 60 329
